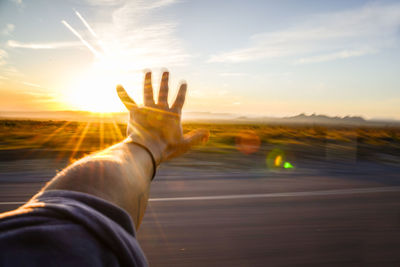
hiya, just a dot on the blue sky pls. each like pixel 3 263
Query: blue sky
pixel 248 57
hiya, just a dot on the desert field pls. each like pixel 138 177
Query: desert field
pixel 253 195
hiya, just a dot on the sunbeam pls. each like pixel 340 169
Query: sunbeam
pixel 92 32
pixel 101 134
pixel 70 141
pixel 94 51
pixel 112 133
pixel 39 141
pixel 78 144
pixel 117 130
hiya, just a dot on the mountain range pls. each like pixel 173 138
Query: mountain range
pixel 205 117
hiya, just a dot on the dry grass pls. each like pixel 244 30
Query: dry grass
pixel 72 139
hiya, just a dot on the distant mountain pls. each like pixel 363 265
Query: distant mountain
pixel 323 119
pixel 298 119
pixel 206 117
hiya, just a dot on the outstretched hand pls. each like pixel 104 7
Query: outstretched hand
pixel 158 125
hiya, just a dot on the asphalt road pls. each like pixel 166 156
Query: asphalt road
pixel 299 218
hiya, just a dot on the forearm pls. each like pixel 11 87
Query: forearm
pixel 120 174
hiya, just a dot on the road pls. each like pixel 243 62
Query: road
pixel 301 218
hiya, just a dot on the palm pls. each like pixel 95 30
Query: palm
pixel 159 122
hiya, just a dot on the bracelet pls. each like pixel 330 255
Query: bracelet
pixel 153 160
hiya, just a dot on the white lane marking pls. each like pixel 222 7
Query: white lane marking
pixel 287 194
pixel 271 195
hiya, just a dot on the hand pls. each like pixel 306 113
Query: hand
pixel 158 126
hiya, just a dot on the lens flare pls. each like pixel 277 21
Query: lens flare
pixel 248 142
pixel 278 161
pixel 287 165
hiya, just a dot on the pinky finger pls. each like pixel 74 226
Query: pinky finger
pixel 180 99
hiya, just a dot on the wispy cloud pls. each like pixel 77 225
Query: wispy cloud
pixel 139 4
pixel 160 3
pixel 325 37
pixel 6 69
pixel 105 2
pixel 18 2
pixel 337 55
pixel 33 85
pixel 129 42
pixel 3 55
pixel 233 74
pixel 50 45
pixel 9 71
pixel 152 44
pixel 8 29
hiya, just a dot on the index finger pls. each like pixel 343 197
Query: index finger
pixel 125 98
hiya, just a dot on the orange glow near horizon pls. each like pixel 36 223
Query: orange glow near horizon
pixel 95 90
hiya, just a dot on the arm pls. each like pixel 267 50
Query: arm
pixel 122 173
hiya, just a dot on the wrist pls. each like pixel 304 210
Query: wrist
pixel 146 150
pixel 155 147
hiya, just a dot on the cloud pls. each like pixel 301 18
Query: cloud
pixel 9 71
pixel 3 56
pixel 33 85
pixel 160 3
pixel 18 2
pixel 324 37
pixel 337 55
pixel 128 42
pixel 135 43
pixel 105 2
pixel 6 69
pixel 50 45
pixel 136 37
pixel 139 4
pixel 8 29
pixel 233 74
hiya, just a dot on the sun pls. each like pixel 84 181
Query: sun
pixel 94 90
pixel 95 93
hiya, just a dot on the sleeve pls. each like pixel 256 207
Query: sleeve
pixel 59 228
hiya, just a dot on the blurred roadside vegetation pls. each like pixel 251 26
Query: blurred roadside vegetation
pixel 74 139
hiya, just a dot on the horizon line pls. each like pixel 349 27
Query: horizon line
pixel 210 113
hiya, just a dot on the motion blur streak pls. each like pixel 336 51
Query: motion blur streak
pixel 248 142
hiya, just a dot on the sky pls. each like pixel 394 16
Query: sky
pixel 263 58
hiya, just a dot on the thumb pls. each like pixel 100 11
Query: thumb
pixel 190 139
pixel 196 137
